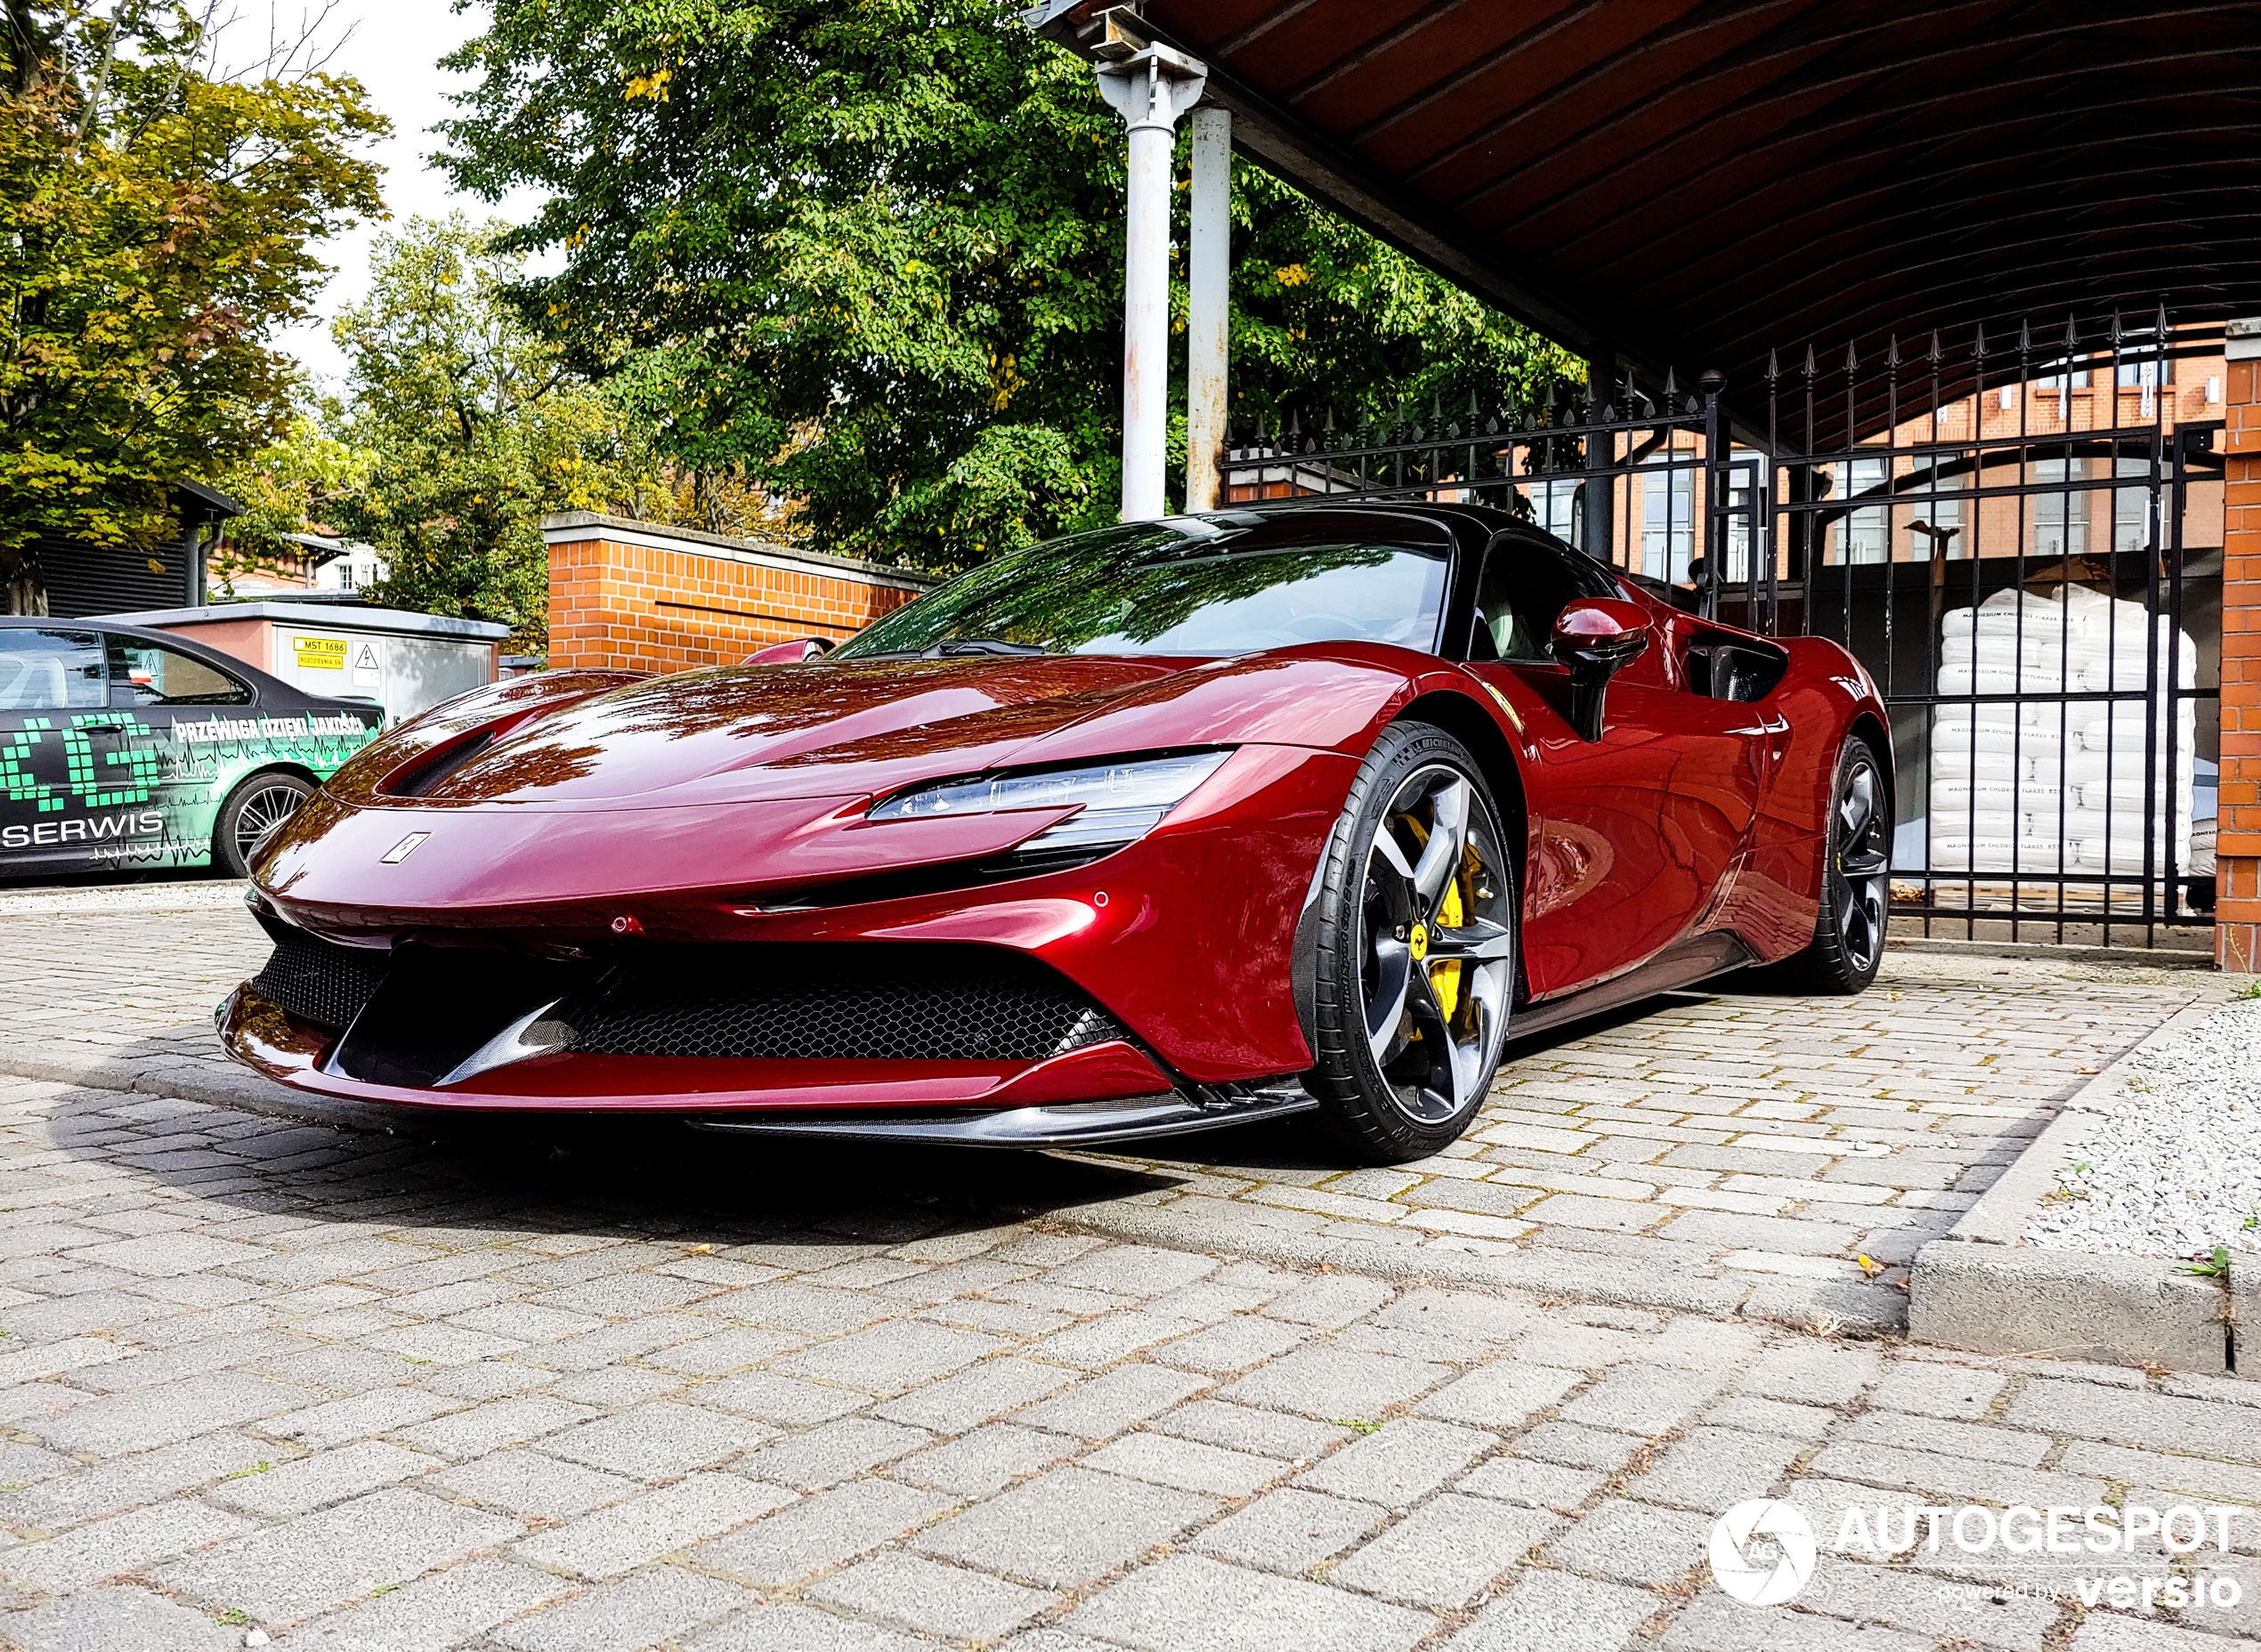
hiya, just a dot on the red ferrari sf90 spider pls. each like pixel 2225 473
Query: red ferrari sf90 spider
pixel 1158 828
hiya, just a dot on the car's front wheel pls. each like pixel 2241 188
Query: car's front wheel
pixel 253 810
pixel 1414 973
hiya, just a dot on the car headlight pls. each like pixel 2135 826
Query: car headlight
pixel 1118 801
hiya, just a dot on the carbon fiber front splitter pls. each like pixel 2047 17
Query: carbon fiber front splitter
pixel 1059 1124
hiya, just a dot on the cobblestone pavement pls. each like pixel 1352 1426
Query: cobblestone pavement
pixel 573 1388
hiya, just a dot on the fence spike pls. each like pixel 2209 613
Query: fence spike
pixel 1934 357
pixel 1978 350
pixel 1773 367
pixel 1808 362
pixel 2072 339
pixel 1892 353
pixel 1672 388
pixel 1853 362
pixel 2114 335
pixel 2025 339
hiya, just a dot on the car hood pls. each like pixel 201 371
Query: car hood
pixel 748 732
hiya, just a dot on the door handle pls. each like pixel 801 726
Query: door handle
pixel 102 728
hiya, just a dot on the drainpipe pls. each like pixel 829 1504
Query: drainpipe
pixel 1149 89
pixel 1209 305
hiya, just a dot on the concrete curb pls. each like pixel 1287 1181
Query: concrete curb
pixel 1981 1287
pixel 183 1080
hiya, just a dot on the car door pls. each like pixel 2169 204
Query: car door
pixel 186 770
pixel 59 805
pixel 1634 837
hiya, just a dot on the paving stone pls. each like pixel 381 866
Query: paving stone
pixel 1134 1270
pixel 1065 1528
pixel 1923 1603
pixel 125 1542
pixel 786 1401
pixel 1712 1623
pixel 975 1394
pixel 496 1424
pixel 1232 1344
pixel 657 1439
pixel 146 1477
pixel 1988 1444
pixel 1754 1415
pixel 1398 1463
pixel 1290 1530
pixel 1531 1484
pixel 928 1595
pixel 988 1459
pixel 820 1532
pixel 1634 1543
pixel 777 1626
pixel 1187 1464
pixel 836 1451
pixel 115 1620
pixel 665 1603
pixel 1939 1391
pixel 283 1573
pixel 1939 1474
pixel 327 1477
pixel 1445 1553
pixel 526 1483
pixel 1501 1396
pixel 2121 1417
pixel 790 1306
pixel 1329 1301
pixel 727 1351
pixel 1641 1401
pixel 1558 1611
pixel 1190 1603
pixel 120 1423
pixel 357 1416
pixel 1811 1373
pixel 1712 1469
pixel 1101 1407
pixel 890 1357
pixel 626 1534
pixel 1331 1382
pixel 432 1614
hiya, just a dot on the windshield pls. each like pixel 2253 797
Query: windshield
pixel 1187 586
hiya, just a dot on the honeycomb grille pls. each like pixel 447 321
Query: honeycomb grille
pixel 319 980
pixel 865 1002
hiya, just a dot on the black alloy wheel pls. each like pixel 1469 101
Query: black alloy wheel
pixel 1414 977
pixel 253 811
pixel 1856 882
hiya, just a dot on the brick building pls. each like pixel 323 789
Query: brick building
pixel 2237 932
pixel 649 597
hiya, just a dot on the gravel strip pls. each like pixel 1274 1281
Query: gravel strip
pixel 2172 1166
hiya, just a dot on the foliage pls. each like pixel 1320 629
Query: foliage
pixel 465 429
pixel 156 217
pixel 868 253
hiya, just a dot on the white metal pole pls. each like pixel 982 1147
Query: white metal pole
pixel 1209 304
pixel 1149 90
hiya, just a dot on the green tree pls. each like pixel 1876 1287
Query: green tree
pixel 465 428
pixel 869 252
pixel 156 219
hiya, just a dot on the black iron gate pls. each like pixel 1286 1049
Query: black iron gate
pixel 2019 537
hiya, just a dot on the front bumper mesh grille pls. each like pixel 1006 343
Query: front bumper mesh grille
pixel 870 1002
pixel 318 980
pixel 841 1001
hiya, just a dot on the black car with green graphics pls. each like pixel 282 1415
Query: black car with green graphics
pixel 132 749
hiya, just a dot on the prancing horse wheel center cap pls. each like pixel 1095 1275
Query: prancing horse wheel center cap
pixel 1419 942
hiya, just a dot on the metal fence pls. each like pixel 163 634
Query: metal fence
pixel 2018 534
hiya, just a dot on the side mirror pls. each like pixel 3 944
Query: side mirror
pixel 1597 637
pixel 795 652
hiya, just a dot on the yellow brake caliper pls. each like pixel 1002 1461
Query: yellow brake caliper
pixel 1443 975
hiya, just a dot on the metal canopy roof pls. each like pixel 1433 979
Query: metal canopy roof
pixel 1686 184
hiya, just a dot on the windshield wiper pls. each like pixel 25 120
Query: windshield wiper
pixel 983 645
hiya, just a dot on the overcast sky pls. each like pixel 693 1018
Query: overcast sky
pixel 394 49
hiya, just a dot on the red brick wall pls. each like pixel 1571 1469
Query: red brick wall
pixel 651 599
pixel 2237 917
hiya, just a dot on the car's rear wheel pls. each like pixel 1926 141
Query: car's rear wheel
pixel 1414 974
pixel 254 809
pixel 1848 944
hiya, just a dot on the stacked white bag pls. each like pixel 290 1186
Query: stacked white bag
pixel 2057 785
